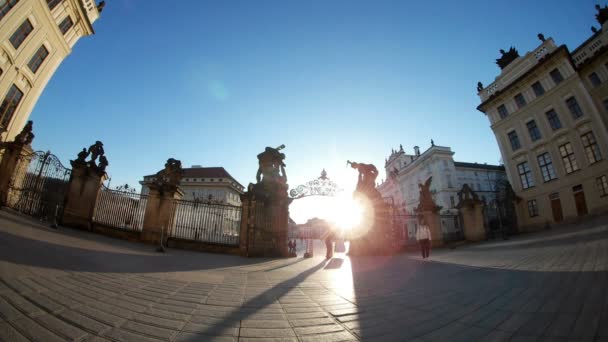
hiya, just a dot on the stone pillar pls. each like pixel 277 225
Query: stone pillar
pixel 246 223
pixel 159 214
pixel 13 166
pixel 472 217
pixel 264 229
pixel 434 222
pixel 82 195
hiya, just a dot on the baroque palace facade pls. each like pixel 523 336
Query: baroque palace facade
pixel 35 37
pixel 549 112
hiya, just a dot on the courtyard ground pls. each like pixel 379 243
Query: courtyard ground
pixel 72 285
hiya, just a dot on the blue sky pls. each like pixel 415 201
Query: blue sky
pixel 214 82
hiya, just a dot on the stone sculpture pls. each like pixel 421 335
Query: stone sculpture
pixel 26 136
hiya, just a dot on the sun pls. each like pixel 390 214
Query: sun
pixel 346 214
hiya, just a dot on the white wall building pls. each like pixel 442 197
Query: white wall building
pixel 205 183
pixel 405 171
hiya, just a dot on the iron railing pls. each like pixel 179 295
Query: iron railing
pixel 119 209
pixel 39 185
pixel 206 222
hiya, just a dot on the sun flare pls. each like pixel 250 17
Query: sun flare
pixel 346 214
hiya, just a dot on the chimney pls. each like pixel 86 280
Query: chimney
pixel 417 151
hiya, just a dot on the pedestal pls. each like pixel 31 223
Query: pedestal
pixel 265 220
pixel 15 160
pixel 83 191
pixel 472 217
pixel 158 217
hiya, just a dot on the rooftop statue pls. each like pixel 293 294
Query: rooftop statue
pixel 171 175
pixel 95 150
pixel 602 14
pixel 507 57
pixel 26 136
pixel 479 86
pixel 467 194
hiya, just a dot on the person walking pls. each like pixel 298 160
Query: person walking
pixel 329 245
pixel 423 235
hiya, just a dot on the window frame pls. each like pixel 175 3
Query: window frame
pixel 520 100
pixel 532 208
pixel 4 10
pixel 591 147
pixel 553 119
pixel 533 130
pixel 595 79
pixel 21 34
pixel 545 163
pixel 525 173
pixel 574 107
pixel 513 137
pixel 9 105
pixel 53 3
pixel 503 112
pixel 556 76
pixel 538 89
pixel 42 53
pixel 602 185
pixel 66 24
pixel 566 152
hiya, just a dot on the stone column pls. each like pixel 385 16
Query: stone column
pixel 82 195
pixel 246 223
pixel 434 222
pixel 159 214
pixel 13 166
pixel 472 217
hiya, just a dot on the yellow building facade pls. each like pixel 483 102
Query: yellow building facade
pixel 35 37
pixel 548 110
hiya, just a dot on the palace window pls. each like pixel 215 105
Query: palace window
pixel 514 140
pixel 538 88
pixel 553 119
pixel 592 149
pixel 595 79
pixel 66 24
pixel 5 6
pixel 602 185
pixel 22 32
pixel 533 129
pixel 532 208
pixel 568 158
pixel 9 105
pixel 520 100
pixel 502 111
pixel 525 175
pixel 575 109
pixel 38 58
pixel 53 3
pixel 546 167
pixel 556 76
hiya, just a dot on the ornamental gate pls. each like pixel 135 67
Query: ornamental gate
pixel 39 185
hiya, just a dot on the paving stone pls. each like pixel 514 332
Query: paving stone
pixel 21 304
pixel 7 311
pixel 265 324
pixel 266 333
pixel 331 337
pixel 189 337
pixel 83 322
pixel 123 335
pixel 213 330
pixel 44 302
pixel 311 322
pixel 32 330
pixel 9 334
pixel 60 327
pixel 101 316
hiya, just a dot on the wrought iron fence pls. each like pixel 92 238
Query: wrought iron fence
pixel 39 185
pixel 206 222
pixel 119 209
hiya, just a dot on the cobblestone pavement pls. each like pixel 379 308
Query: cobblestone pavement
pixel 73 285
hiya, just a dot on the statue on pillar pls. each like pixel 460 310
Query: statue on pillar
pixel 426 197
pixel 26 136
pixel 95 151
pixel 170 177
pixel 271 166
pixel 368 173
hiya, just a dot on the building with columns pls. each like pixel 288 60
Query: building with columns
pixel 549 112
pixel 35 37
pixel 405 171
pixel 213 184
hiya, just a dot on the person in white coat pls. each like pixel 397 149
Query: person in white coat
pixel 423 235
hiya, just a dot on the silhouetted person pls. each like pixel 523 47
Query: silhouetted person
pixel 329 245
pixel 293 245
pixel 423 235
pixel 290 246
